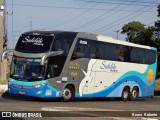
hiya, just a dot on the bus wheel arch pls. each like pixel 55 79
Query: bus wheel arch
pixel 125 93
pixel 68 93
pixel 134 93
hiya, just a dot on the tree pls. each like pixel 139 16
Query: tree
pixel 147 37
pixel 157 25
pixel 157 34
pixel 158 10
pixel 139 34
pixel 132 29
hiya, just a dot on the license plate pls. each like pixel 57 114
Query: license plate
pixel 22 93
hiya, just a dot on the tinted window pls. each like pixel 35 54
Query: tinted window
pixel 62 44
pixel 143 56
pixel 123 52
pixel 127 53
pixel 34 43
pixel 96 49
pixel 151 57
pixel 110 52
pixel 55 66
pixel 86 48
pixel 81 49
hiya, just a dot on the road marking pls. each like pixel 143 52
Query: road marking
pixel 74 109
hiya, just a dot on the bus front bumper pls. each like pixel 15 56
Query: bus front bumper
pixel 42 92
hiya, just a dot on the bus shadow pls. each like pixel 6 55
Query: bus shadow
pixel 106 99
pixel 27 98
pixel 35 99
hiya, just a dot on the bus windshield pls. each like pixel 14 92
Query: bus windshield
pixel 34 43
pixel 27 69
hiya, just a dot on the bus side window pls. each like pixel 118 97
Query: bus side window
pixel 96 49
pixel 55 66
pixel 92 49
pixel 141 56
pixel 58 45
pixel 151 56
pixel 68 46
pixel 78 52
pixel 134 55
pixel 127 53
pixel 110 52
pixel 119 52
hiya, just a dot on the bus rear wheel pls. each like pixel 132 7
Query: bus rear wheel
pixel 125 94
pixel 68 94
pixel 134 94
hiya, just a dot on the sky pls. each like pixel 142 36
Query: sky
pixel 104 17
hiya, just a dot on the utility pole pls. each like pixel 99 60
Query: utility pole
pixel 3 39
pixel 117 34
pixel 2 26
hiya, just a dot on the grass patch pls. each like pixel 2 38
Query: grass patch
pixel 157 87
pixel 2 91
pixel 3 82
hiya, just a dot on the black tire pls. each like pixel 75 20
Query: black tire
pixel 68 94
pixel 125 94
pixel 134 94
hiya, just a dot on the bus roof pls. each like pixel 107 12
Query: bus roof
pixel 112 40
pixel 87 36
pixel 49 33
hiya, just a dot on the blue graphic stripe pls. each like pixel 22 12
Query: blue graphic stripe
pixel 139 79
pixel 24 83
pixel 47 91
pixel 144 90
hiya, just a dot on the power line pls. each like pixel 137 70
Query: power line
pixel 62 7
pixel 103 17
pixel 122 21
pixel 151 23
pixel 138 3
pixel 67 8
pixel 75 8
pixel 69 14
pixel 104 27
pixel 77 16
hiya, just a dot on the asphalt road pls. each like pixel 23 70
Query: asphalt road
pixel 81 108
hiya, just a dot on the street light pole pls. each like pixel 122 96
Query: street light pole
pixel 117 34
pixel 117 31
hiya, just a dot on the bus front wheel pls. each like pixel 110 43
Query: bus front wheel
pixel 68 94
pixel 125 94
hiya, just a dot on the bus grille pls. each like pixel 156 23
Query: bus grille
pixel 23 87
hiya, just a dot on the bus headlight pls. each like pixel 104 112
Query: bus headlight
pixel 45 84
pixel 37 86
pixel 39 92
pixel 10 83
pixel 40 85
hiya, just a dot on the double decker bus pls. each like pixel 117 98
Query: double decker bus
pixel 68 65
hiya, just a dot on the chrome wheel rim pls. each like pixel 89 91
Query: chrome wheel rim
pixel 134 93
pixel 67 94
pixel 125 94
